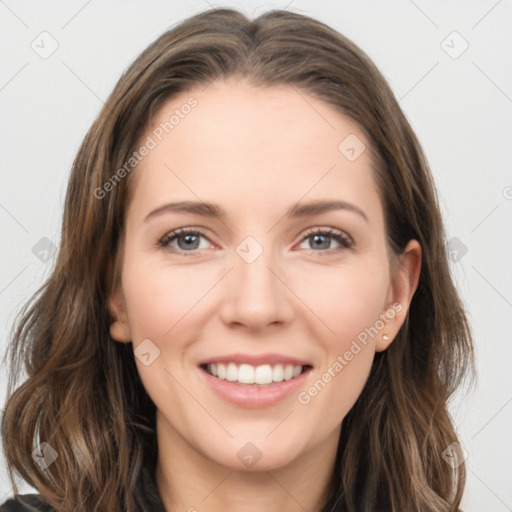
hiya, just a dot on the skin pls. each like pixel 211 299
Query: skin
pixel 255 152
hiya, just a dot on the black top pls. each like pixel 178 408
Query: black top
pixel 25 502
pixel 148 498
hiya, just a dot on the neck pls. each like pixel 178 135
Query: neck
pixel 189 481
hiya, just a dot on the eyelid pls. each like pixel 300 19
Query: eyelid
pixel 328 231
pixel 175 233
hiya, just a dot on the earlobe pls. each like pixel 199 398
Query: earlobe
pixel 119 328
pixel 404 284
pixel 383 342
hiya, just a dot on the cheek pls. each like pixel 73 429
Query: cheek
pixel 335 304
pixel 160 299
pixel 349 302
pixel 346 300
pixel 329 397
pixel 164 305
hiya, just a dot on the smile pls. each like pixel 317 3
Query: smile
pixel 264 374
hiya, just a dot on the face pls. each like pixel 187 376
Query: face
pixel 271 266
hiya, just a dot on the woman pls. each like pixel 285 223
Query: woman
pixel 251 307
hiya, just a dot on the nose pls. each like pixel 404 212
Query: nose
pixel 255 293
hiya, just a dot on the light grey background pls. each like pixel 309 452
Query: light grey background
pixel 460 105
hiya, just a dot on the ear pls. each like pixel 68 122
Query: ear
pixel 119 328
pixel 404 282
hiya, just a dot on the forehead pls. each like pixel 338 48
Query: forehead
pixel 252 148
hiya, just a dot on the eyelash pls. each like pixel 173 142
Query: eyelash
pixel 344 240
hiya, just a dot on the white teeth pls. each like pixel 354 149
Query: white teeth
pixel 231 372
pixel 263 374
pixel 248 374
pixel 288 372
pixel 278 373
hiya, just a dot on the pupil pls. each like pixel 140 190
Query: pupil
pixel 318 238
pixel 189 241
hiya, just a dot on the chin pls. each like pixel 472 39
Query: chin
pixel 262 454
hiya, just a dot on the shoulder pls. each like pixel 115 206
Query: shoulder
pixel 26 503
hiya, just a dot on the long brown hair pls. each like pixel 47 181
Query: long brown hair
pixel 83 394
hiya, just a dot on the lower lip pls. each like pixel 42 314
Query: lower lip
pixel 254 397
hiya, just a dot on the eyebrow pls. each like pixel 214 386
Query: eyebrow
pixel 213 210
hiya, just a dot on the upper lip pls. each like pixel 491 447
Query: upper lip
pixel 255 360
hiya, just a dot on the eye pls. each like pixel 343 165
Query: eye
pixel 322 238
pixel 188 240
